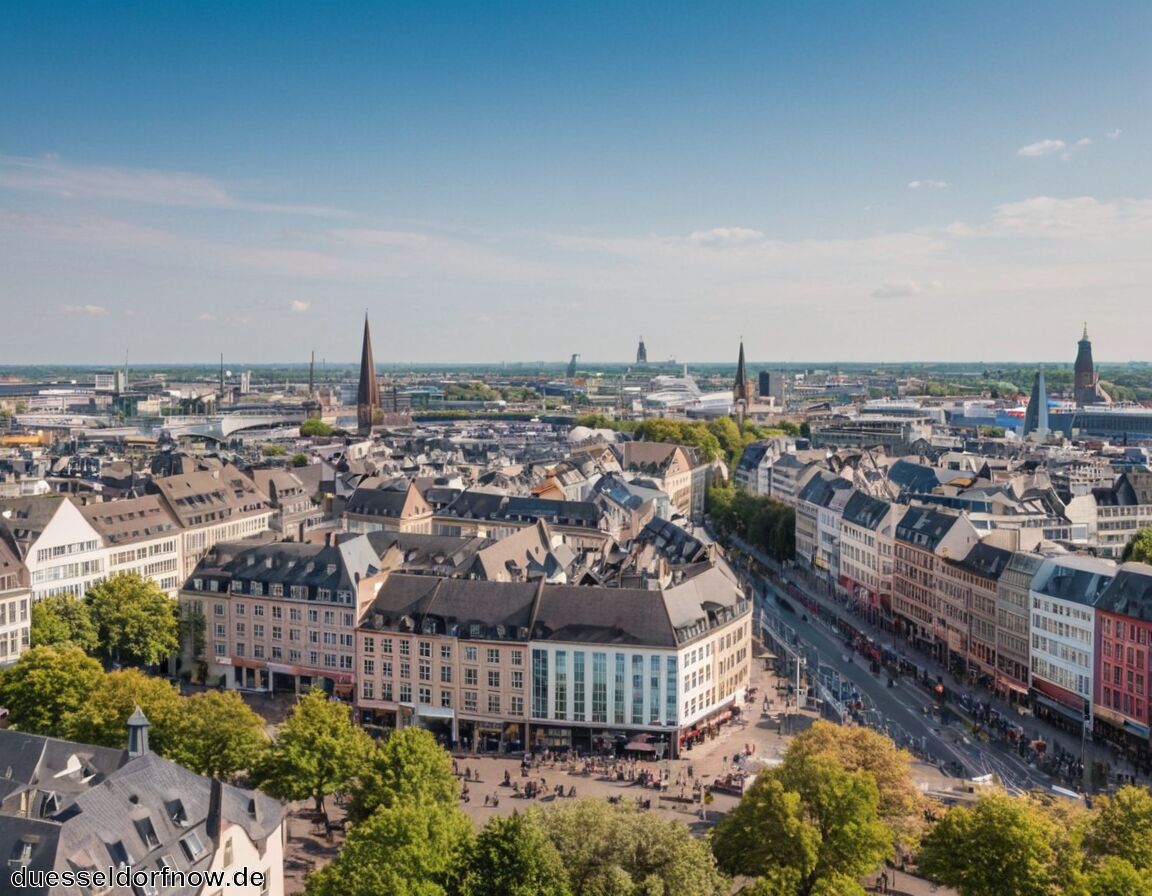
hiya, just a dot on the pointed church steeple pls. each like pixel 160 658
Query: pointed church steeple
pixel 368 391
pixel 740 387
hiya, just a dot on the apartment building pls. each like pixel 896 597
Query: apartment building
pixel 140 536
pixel 281 616
pixel 924 539
pixel 15 606
pixel 1013 624
pixel 394 506
pixel 495 665
pixel 1062 656
pixel 295 513
pixel 1122 686
pixel 63 552
pixel 212 506
pixel 867 544
pixel 968 591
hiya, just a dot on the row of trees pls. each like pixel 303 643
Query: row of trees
pixel 66 693
pixel 760 521
pixel 717 438
pixel 1031 846
pixel 124 619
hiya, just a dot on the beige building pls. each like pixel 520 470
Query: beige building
pixel 15 606
pixel 395 506
pixel 281 616
pixel 141 537
pixel 213 506
pixel 512 665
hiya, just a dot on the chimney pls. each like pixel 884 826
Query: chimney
pixel 214 823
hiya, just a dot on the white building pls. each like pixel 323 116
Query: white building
pixel 63 552
pixel 1062 654
pixel 141 537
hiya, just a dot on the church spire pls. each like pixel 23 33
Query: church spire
pixel 368 391
pixel 740 387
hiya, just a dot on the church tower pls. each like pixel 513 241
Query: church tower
pixel 741 389
pixel 641 352
pixel 1086 381
pixel 368 391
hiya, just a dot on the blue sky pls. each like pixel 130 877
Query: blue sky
pixel 519 181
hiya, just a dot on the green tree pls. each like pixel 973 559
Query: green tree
pixel 299 459
pixel 47 684
pixel 416 850
pixel 1114 876
pixel 409 767
pixel 314 428
pixel 610 850
pixel 63 620
pixel 317 751
pixel 999 845
pixel 218 735
pixel 1139 549
pixel 812 823
pixel 1122 826
pixel 270 449
pixel 513 857
pixel 860 749
pixel 135 620
pixel 103 717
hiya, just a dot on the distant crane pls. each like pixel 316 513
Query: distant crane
pixel 572 367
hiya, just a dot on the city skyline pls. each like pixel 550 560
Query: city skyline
pixel 512 183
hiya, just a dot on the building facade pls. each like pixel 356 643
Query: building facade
pixel 15 606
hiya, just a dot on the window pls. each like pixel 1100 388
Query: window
pixel 385 645
pixel 405 692
pixel 405 670
pixel 493 678
pixel 618 701
pixel 446 651
pixel 493 654
pixel 540 683
pixel 425 648
pixel 369 645
pixel 516 706
pixel 471 677
pixel 560 696
pixel 446 699
pixel 470 654
pixel 517 680
pixel 405 648
pixel 470 701
pixel 494 704
pixel 599 687
pixel 517 657
pixel 446 674
pixel 426 696
pixel 425 670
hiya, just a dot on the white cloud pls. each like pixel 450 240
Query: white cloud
pixel 927 184
pixel 299 307
pixel 899 289
pixel 1114 134
pixel 85 310
pixel 719 236
pixel 1041 148
pixel 146 186
pixel 205 316
pixel 1084 141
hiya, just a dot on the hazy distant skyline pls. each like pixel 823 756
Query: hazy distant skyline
pixel 519 181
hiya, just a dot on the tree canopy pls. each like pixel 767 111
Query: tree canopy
pixel 414 849
pixel 762 522
pixel 45 685
pixel 314 427
pixel 513 857
pixel 1139 549
pixel 805 827
pixel 63 620
pixel 409 767
pixel 618 850
pixel 317 751
pixel 103 717
pixel 999 845
pixel 218 735
pixel 135 620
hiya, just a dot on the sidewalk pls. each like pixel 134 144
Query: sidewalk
pixel 836 610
